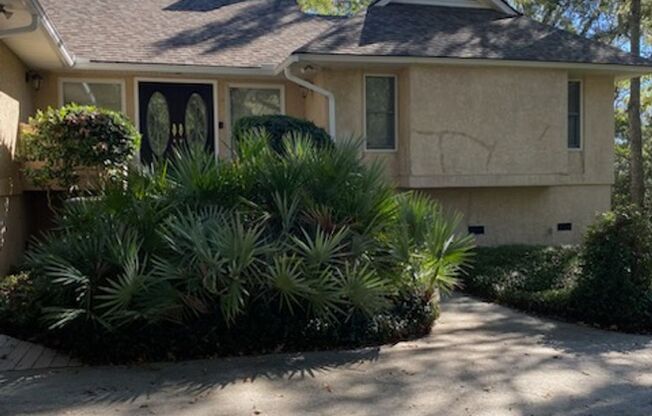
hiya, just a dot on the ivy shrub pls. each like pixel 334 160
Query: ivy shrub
pixel 615 286
pixel 76 137
pixel 279 127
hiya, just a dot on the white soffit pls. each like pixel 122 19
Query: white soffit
pixel 35 48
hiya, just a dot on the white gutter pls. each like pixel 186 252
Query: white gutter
pixel 52 33
pixel 329 96
pixel 31 27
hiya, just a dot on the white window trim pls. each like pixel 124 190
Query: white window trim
pixel 581 148
pixel 212 82
pixel 121 82
pixel 364 113
pixel 258 86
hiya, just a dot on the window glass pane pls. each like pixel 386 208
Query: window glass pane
pixel 574 97
pixel 196 119
pixel 90 93
pixel 380 94
pixel 380 130
pixel 158 123
pixel 574 132
pixel 574 115
pixel 380 111
pixel 254 102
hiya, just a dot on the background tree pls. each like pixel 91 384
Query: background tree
pixel 637 184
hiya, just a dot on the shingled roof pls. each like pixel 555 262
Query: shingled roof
pixel 447 32
pixel 225 33
pixel 260 33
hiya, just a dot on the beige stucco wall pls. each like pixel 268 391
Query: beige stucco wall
pixel 15 107
pixel 491 143
pixel 487 141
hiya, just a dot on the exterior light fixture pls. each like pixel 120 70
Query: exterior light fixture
pixel 35 78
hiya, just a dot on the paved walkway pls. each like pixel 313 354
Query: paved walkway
pixel 481 359
pixel 21 355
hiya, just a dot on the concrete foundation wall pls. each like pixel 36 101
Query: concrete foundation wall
pixel 16 105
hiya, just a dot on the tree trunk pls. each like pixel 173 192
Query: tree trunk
pixel 637 186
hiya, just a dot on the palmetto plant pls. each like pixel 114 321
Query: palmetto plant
pixel 308 232
pixel 427 244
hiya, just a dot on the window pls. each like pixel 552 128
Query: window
pixel 574 115
pixel 104 94
pixel 255 101
pixel 380 112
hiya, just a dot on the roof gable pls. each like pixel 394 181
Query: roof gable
pixel 497 5
pixel 410 30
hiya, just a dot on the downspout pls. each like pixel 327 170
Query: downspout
pixel 319 90
pixel 19 30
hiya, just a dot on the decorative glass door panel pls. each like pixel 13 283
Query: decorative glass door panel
pixel 175 115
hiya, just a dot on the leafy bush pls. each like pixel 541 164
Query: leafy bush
pixel 74 137
pixel 270 250
pixel 19 301
pixel 278 127
pixel 532 278
pixel 616 281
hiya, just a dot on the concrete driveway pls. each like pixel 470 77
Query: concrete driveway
pixel 481 359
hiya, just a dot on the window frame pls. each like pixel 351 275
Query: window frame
pixel 259 86
pixel 119 81
pixel 581 114
pixel 364 111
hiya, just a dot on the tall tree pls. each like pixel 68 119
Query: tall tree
pixel 637 185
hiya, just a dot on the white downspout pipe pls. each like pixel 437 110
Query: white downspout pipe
pixel 329 96
pixel 23 29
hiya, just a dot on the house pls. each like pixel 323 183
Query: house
pixel 504 119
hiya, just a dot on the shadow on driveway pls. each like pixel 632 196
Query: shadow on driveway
pixel 482 359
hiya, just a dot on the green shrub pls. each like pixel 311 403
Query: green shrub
pixel 497 270
pixel 616 281
pixel 271 249
pixel 532 278
pixel 74 137
pixel 279 128
pixel 19 301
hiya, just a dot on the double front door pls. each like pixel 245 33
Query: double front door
pixel 173 115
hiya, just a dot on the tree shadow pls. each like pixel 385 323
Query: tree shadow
pixel 480 359
pixel 263 31
pixel 68 389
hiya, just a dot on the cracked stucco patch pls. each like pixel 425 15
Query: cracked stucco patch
pixel 443 136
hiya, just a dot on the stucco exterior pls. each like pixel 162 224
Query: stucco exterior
pixel 488 142
pixel 15 107
pixel 491 143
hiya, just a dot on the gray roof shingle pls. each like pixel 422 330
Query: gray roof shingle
pixel 255 33
pixel 430 31
pixel 229 33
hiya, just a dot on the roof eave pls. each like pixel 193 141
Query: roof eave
pixel 620 71
pixel 97 65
